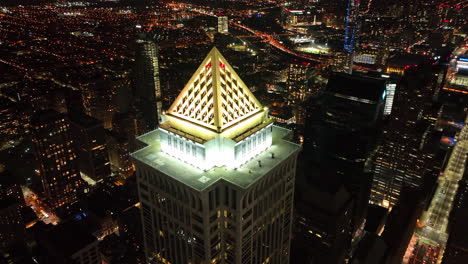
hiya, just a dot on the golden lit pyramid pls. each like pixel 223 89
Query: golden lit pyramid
pixel 215 97
pixel 216 175
pixel 218 119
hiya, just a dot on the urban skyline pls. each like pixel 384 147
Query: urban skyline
pixel 233 131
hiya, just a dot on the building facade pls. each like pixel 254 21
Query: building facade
pixel 147 85
pixel 296 84
pixel 322 224
pixel 401 158
pixel 223 24
pixel 12 227
pixel 90 145
pixel 69 242
pixel 216 180
pixel 53 145
pixel 119 156
pixel 345 130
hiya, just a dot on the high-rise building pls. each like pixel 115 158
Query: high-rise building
pixel 333 186
pixel 401 224
pixel 126 125
pixel 90 145
pixel 296 83
pixel 71 242
pixel 400 158
pixel 119 156
pixel 74 101
pixel 12 227
pixel 10 125
pixel 147 84
pixel 223 24
pixel 346 129
pixel 390 97
pixel 456 250
pixel 397 162
pixel 54 151
pixel 216 180
pixel 322 218
pixel 98 91
pixel 351 32
pixel 10 187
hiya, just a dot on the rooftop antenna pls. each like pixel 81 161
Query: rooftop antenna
pixel 351 31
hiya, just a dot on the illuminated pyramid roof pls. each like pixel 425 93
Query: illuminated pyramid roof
pixel 215 125
pixel 215 97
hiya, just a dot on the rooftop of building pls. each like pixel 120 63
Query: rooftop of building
pixel 199 179
pixel 8 202
pixel 403 215
pixel 17 254
pixel 407 59
pixel 362 87
pixel 67 238
pixel 106 201
pixel 371 249
pixel 85 120
pixel 324 193
pixel 375 218
pixel 28 215
pixel 7 180
pixel 6 103
pixel 284 112
pixel 462 72
pixel 460 229
pixel 46 116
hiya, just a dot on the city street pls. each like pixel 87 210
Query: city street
pixel 424 253
pixel 41 210
pixel 432 236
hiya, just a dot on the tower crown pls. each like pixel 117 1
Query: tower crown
pixel 215 97
pixel 218 118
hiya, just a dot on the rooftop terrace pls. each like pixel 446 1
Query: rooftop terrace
pixel 199 179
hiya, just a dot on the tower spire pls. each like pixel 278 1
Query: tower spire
pixel 351 31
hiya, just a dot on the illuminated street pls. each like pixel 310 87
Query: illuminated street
pixel 264 36
pixel 433 235
pixel 42 211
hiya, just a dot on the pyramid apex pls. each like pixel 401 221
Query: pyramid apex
pixel 215 97
pixel 214 48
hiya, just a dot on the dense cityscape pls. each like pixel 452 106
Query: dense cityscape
pixel 233 131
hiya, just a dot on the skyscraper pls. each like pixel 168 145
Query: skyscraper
pixel 216 180
pixel 296 84
pixel 53 147
pixel 400 158
pixel 11 202
pixel 11 222
pixel 90 145
pixel 223 24
pixel 323 216
pixel 119 156
pixel 345 132
pixel 147 86
pixel 456 249
pixel 351 31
